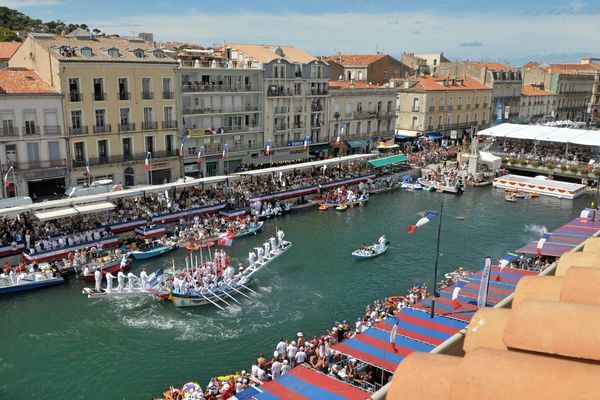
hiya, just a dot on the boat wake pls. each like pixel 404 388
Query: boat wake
pixel 537 229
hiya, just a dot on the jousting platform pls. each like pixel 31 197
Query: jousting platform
pixel 546 187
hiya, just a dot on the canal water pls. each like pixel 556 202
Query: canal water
pixel 56 343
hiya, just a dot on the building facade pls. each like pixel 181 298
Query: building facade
pixel 433 61
pixel 221 106
pixel 537 105
pixel 417 64
pixel 377 68
pixel 573 91
pixel 505 82
pixel 452 107
pixel 119 104
pixel 361 113
pixel 32 136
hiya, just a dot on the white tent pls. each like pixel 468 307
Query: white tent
pixel 543 134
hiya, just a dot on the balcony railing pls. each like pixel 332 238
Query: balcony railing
pixel 9 131
pixel 280 110
pixel 125 158
pixel 75 97
pixel 52 130
pixel 81 130
pixel 124 96
pixel 102 128
pixel 365 114
pixel 476 105
pixel 316 107
pixel 298 125
pixel 441 108
pixel 168 95
pixel 415 108
pixel 248 108
pixel 99 96
pixel 148 126
pixel 205 87
pixel 227 129
pixel 431 108
pixel 450 108
pixel 280 127
pixel 278 91
pixel 298 109
pixel 468 106
pixel 25 166
pixel 147 95
pixel 316 125
pixel 30 130
pixel 459 107
pixel 485 105
pixel 169 124
pixel 319 92
pixel 126 127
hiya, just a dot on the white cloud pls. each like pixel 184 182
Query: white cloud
pixel 18 4
pixel 502 36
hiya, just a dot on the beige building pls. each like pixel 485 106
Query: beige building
pixel 119 103
pixel 452 107
pixel 377 68
pixel 537 104
pixel 361 113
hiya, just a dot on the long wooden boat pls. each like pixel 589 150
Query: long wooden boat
pixel 439 187
pixel 29 281
pixel 251 230
pixel 370 252
pixel 113 266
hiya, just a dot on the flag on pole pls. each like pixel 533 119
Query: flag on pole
pixel 268 148
pixel 226 240
pixel 156 277
pixel 6 182
pixel 485 282
pixel 338 140
pixel 199 158
pixel 506 259
pixel 583 217
pixel 87 168
pixel 306 143
pixel 225 148
pixel 459 285
pixel 147 162
pixel 591 163
pixel 425 219
pixel 181 150
pixel 540 244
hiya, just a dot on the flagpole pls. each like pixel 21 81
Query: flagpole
pixel 437 258
pixel 150 165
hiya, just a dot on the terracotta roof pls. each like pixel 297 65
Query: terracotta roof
pixel 343 84
pixel 355 59
pixel 529 90
pixel 492 66
pixel 265 53
pixel 99 47
pixel 437 83
pixel 531 64
pixel 574 68
pixel 7 49
pixel 23 82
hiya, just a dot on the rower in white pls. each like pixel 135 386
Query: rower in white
pixel 131 278
pixel 382 242
pixel 98 279
pixel 144 279
pixel 121 281
pixel 123 262
pixel 109 283
pixel 251 259
pixel 280 236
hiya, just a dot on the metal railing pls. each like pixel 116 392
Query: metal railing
pixel 275 92
pixel 148 126
pixel 169 124
pixel 280 110
pixel 30 130
pixel 102 128
pixel 298 125
pixel 124 96
pixel 147 95
pixel 415 108
pixel 431 108
pixel 168 95
pixel 220 110
pixel 77 163
pixel 99 96
pixel 126 127
pixel 450 108
pixel 75 97
pixel 81 130
pixel 441 108
pixel 52 130
pixel 205 87
pixel 316 107
pixel 319 92
pixel 24 166
pixel 226 129
pixel 280 127
pixel 9 131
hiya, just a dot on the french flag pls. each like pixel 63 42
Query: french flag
pixel 199 158
pixel 225 148
pixel 338 140
pixel 6 182
pixel 226 240
pixel 268 148
pixel 305 143
pixel 425 219
pixel 540 244
pixel 507 259
pixel 181 150
pixel 459 285
pixel 87 168
pixel 147 162
pixel 591 163
pixel 583 217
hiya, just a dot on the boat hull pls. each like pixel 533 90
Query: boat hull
pixel 360 256
pixel 250 231
pixel 23 287
pixel 144 255
pixel 113 268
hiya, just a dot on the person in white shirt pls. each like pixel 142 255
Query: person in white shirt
pixel 254 370
pixel 143 278
pixel 285 368
pixel 109 284
pixel 276 368
pixel 281 347
pixel 262 375
pixel 292 350
pixel 300 356
pixel 121 281
pixel 98 279
pixel 393 334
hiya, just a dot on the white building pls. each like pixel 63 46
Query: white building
pixel 433 61
pixel 537 104
pixel 32 136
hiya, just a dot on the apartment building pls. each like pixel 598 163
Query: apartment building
pixel 377 68
pixel 32 137
pixel 295 97
pixel 417 64
pixel 537 105
pixel 221 107
pixel 361 113
pixel 452 107
pixel 119 103
pixel 433 61
pixel 505 82
pixel 573 90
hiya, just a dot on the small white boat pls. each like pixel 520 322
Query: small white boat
pixel 29 280
pixel 371 251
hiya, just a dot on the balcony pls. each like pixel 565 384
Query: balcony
pixel 298 92
pixel 169 124
pixel 386 114
pixel 468 106
pixel 316 125
pixel 415 108
pixel 126 127
pixel 75 97
pixel 124 96
pixel 53 130
pixel 441 108
pixel 431 108
pixel 168 95
pixel 459 107
pixel 206 87
pixel 9 131
pixel 31 165
pixel 30 130
pixel 319 92
pixel 278 92
pixel 485 105
pixel 280 110
pixel 280 127
pixel 450 108
pixel 192 111
pixel 81 130
pixel 226 129
pixel 298 109
pixel 99 96
pixel 149 126
pixel 147 95
pixel 298 125
pixel 316 107
pixel 102 128
pixel 125 158
pixel 476 105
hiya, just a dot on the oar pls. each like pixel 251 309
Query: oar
pixel 242 293
pixel 211 292
pixel 215 304
pixel 232 298
pixel 247 288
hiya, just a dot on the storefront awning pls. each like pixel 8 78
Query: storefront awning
pixel 357 144
pixel 96 207
pixel 405 133
pixel 382 162
pixel 320 147
pixel 434 135
pixel 53 214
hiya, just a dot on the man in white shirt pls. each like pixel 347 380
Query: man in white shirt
pixel 285 368
pixel 276 369
pixel 300 356
pixel 281 347
pixel 291 351
pixel 254 370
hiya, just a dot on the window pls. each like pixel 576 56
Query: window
pixel 468 100
pixel 458 119
pixel 103 150
pixel 29 122
pixel 76 120
pixel 459 100
pixel 138 53
pixel 168 116
pixel 98 84
pixel 430 124
pixel 127 148
pixel 123 84
pixel 414 122
pixel 147 89
pixel 348 109
pixel 150 144
pixel 74 92
pixel 475 117
pixel 79 150
pixel 159 54
pixel 33 153
pixel 476 100
pixel 450 101
pixel 359 107
pixel 113 53
pixel 147 115
pixel 86 52
pixel 167 88
pixel 53 151
pixel 100 118
pixel 169 144
pixel 483 118
pixel 7 124
pixel 124 116
pixel 439 121
pixel 467 119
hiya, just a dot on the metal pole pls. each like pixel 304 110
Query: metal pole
pixel 437 258
pixel 596 197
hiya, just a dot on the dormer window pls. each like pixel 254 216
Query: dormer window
pixel 159 54
pixel 86 52
pixel 138 53
pixel 114 53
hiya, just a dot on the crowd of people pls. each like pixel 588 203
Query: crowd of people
pixel 423 153
pixel 542 152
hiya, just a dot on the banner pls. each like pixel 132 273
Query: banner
pixel 485 283
pixel 499 111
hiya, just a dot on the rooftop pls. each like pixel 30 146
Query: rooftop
pixel 574 68
pixel 529 90
pixel 23 82
pixel 430 83
pixel 343 84
pixel 7 49
pixel 492 66
pixel 355 59
pixel 265 53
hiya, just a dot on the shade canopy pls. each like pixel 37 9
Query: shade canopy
pixel 56 213
pixel 543 134
pixel 382 162
pixel 96 207
pixel 306 165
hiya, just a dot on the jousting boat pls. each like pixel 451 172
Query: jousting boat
pixel 155 249
pixel 252 229
pixel 29 281
pixel 112 265
pixel 371 251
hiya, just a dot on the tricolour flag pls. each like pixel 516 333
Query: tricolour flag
pixel 591 163
pixel 268 148
pixel 156 277
pixel 199 158
pixel 181 150
pixel 226 240
pixel 485 283
pixel 305 143
pixel 225 148
pixel 507 259
pixel 585 214
pixel 87 168
pixel 338 140
pixel 6 182
pixel 540 244
pixel 425 219
pixel 459 285
pixel 147 162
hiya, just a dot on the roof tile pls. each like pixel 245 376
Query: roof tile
pixel 7 49
pixel 355 59
pixel 23 82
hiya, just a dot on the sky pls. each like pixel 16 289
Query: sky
pixel 511 31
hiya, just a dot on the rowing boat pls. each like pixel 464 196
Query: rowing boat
pixel 510 198
pixel 252 229
pixel 29 281
pixel 371 251
pixel 156 249
pixel 341 207
pixel 112 266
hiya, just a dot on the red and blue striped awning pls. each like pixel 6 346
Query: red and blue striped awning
pixel 303 383
pixel 564 239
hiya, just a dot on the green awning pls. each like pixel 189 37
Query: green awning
pixel 357 144
pixel 320 147
pixel 382 162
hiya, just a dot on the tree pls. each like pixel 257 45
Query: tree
pixel 6 35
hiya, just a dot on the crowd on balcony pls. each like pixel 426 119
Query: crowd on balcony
pixel 543 152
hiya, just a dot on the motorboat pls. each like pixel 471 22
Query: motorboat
pixel 252 229
pixel 24 281
pixel 371 251
pixel 154 249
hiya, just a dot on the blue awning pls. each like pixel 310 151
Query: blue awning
pixel 357 144
pixel 434 135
